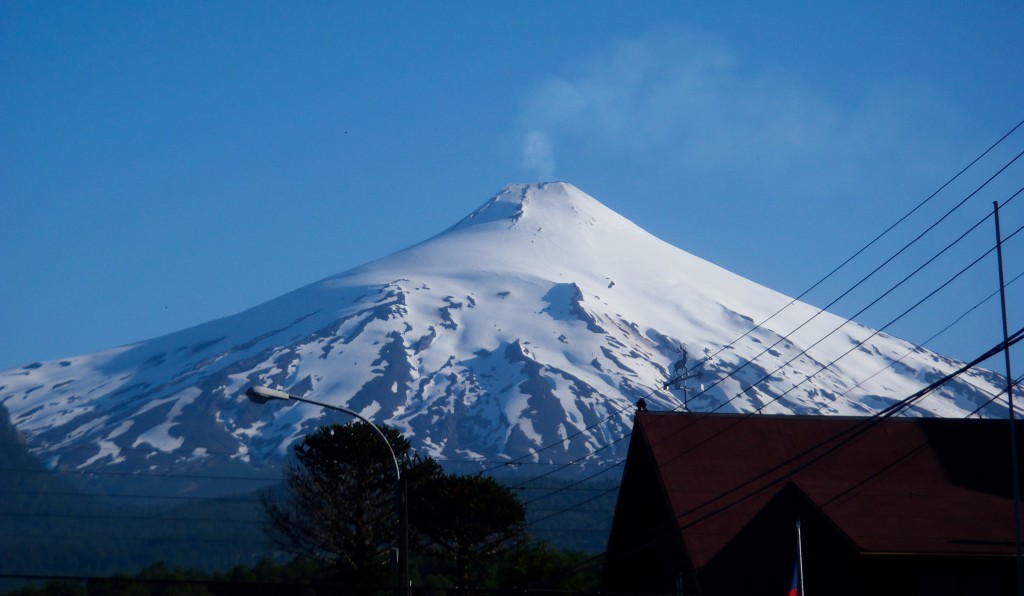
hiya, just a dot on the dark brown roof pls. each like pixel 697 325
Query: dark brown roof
pixel 906 485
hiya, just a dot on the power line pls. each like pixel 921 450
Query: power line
pixel 807 457
pixel 128 517
pixel 853 432
pixel 916 346
pixel 787 336
pixel 534 452
pixel 880 236
pixel 619 411
pixel 949 212
pixel 1016 382
pixel 890 323
pixel 857 346
pixel 876 332
pixel 116 496
pixel 847 321
pixel 137 474
pixel 554 490
pixel 848 260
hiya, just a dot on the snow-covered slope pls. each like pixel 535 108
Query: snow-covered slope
pixel 524 325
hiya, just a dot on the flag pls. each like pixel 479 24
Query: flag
pixel 794 589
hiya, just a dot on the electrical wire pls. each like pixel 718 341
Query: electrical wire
pixel 857 253
pixel 847 321
pixel 618 412
pixel 786 337
pixel 879 237
pixel 916 346
pixel 807 457
pixel 1015 383
pixel 856 346
pixel 893 321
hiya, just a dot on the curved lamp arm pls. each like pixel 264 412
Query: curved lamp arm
pixel 262 395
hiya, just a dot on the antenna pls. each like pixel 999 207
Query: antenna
pixel 682 373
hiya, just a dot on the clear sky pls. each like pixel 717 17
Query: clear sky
pixel 163 164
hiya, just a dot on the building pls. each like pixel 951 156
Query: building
pixel 709 505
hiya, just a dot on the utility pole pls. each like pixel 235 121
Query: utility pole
pixel 1015 465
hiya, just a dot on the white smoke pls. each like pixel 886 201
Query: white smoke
pixel 675 98
pixel 539 155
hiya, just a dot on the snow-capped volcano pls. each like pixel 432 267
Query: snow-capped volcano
pixel 524 325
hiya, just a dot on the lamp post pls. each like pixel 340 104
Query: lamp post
pixel 262 395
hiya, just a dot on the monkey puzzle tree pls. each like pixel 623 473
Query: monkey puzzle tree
pixel 342 506
pixel 466 519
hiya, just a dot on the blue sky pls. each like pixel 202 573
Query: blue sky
pixel 165 164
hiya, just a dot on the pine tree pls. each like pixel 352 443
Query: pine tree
pixel 342 506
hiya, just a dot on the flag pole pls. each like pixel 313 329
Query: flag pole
pixel 800 555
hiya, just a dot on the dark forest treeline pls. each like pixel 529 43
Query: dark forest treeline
pixel 536 566
pixel 50 527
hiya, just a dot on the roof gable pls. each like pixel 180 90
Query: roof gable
pixel 921 485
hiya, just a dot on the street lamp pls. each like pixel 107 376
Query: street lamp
pixel 262 395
